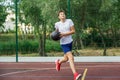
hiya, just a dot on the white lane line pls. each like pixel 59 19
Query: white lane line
pixel 17 72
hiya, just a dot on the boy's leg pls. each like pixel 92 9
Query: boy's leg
pixel 59 62
pixel 65 59
pixel 71 61
pixel 72 66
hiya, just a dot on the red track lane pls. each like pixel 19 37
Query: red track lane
pixel 46 71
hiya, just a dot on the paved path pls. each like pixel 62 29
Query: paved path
pixel 52 59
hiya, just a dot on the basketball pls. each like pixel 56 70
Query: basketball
pixel 55 35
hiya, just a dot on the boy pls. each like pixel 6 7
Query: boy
pixel 66 29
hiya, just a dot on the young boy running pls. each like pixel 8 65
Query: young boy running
pixel 66 29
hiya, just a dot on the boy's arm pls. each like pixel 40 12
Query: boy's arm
pixel 72 31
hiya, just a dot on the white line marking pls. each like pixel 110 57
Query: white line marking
pixel 17 72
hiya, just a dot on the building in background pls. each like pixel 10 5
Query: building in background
pixel 9 24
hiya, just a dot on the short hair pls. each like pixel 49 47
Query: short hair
pixel 61 11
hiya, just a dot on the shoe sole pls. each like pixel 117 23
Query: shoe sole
pixel 79 77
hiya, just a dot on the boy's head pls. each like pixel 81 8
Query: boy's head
pixel 61 14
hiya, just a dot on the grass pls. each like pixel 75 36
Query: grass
pixel 99 52
pixel 92 52
pixel 83 52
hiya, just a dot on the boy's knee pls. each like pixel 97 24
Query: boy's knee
pixel 71 58
pixel 65 59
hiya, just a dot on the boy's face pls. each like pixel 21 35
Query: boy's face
pixel 61 15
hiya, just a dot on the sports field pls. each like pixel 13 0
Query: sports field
pixel 41 70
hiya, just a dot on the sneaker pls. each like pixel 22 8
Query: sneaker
pixel 77 76
pixel 58 65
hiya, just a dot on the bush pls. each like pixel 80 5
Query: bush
pixel 52 46
pixel 25 46
pixel 7 48
pixel 6 37
pixel 28 46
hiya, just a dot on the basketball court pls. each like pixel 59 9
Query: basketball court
pixel 41 70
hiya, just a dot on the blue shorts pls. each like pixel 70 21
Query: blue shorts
pixel 66 47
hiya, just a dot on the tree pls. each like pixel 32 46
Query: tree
pixel 33 15
pixel 97 14
pixel 3 15
pixel 101 16
pixel 42 14
pixel 79 17
pixel 114 22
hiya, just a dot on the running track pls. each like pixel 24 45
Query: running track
pixel 46 71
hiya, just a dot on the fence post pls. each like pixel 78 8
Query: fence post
pixel 16 25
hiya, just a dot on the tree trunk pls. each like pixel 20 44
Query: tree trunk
pixel 40 45
pixel 103 41
pixel 78 39
pixel 82 22
pixel 81 42
pixel 44 39
pixel 114 37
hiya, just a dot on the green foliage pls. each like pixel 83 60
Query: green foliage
pixel 6 37
pixel 7 48
pixel 26 46
pixel 102 16
pixel 32 12
pixel 3 15
pixel 52 46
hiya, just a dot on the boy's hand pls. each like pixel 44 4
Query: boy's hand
pixel 62 34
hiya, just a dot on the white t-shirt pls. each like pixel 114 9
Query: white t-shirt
pixel 64 27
